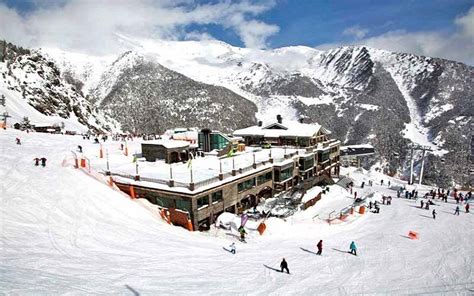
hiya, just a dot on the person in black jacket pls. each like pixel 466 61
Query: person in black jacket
pixel 284 266
pixel 320 247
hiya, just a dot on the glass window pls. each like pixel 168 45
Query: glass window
pixel 264 178
pixel 203 201
pixel 184 205
pixel 218 141
pixel 217 196
pixel 246 185
pixel 306 163
pixel 286 173
pixel 165 202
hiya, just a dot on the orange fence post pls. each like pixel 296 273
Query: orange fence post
pixel 101 153
pixel 111 181
pixel 362 210
pixel 76 163
pixel 83 162
pixel 132 191
pixel 126 151
pixel 261 228
pixel 352 211
pixel 190 225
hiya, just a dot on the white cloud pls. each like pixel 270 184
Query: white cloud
pixel 457 45
pixel 356 31
pixel 93 25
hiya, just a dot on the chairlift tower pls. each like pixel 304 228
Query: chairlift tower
pixel 424 149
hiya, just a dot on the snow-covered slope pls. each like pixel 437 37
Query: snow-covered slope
pixel 63 232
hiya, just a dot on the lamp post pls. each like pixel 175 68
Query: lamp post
pixel 108 166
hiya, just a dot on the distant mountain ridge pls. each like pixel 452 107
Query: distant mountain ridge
pixel 361 94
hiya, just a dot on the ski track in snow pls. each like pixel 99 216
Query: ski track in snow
pixel 63 232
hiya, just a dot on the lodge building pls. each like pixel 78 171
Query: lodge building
pixel 310 158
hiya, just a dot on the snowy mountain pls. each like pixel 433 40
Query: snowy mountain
pixel 361 94
pixel 33 87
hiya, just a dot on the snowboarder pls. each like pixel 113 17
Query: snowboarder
pixel 320 247
pixel 456 212
pixel 43 161
pixel 18 141
pixel 36 161
pixel 242 233
pixel 434 214
pixel 353 248
pixel 467 207
pixel 232 248
pixel 381 182
pixel 284 266
pixel 79 147
pixel 388 183
pixel 421 203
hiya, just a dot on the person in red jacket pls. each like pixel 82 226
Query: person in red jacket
pixel 320 247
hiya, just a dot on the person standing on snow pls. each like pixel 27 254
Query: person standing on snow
pixel 434 214
pixel 18 141
pixel 456 212
pixel 320 247
pixel 381 182
pixel 284 266
pixel 421 203
pixel 467 208
pixel 79 147
pixel 36 159
pixel 43 161
pixel 353 248
pixel 242 233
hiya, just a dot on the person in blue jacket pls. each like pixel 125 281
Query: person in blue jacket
pixel 353 248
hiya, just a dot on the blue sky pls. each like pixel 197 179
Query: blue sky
pixel 422 27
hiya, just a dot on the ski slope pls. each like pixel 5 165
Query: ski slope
pixel 63 232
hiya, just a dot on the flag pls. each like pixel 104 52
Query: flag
pixel 231 152
pixel 190 160
pixel 243 220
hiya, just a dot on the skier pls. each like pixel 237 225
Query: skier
pixel 284 266
pixel 43 161
pixel 232 248
pixel 353 248
pixel 467 208
pixel 36 161
pixel 421 202
pixel 377 208
pixel 242 233
pixel 456 212
pixel 79 147
pixel 18 142
pixel 434 214
pixel 320 247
